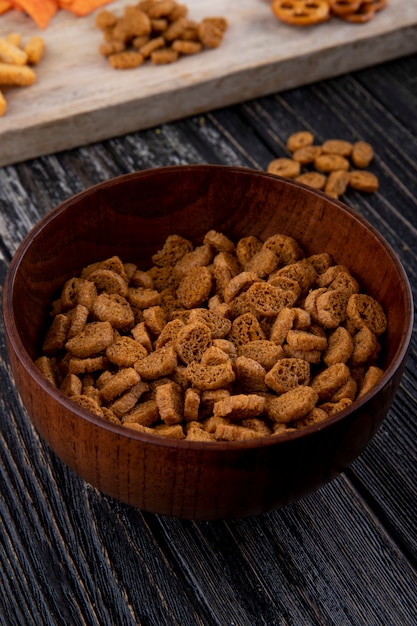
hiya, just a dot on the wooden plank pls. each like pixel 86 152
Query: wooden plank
pixel 79 99
pixel 345 555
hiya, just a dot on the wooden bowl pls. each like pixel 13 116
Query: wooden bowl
pixel 131 216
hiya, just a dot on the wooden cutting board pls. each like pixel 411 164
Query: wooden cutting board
pixel 79 99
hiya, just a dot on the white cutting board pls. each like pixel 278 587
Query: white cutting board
pixel 79 99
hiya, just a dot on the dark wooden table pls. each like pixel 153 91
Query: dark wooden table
pixel 346 555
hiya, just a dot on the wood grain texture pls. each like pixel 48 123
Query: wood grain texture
pixel 346 555
pixel 79 99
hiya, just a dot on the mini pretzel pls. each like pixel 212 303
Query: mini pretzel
pixel 343 7
pixel 365 12
pixel 301 12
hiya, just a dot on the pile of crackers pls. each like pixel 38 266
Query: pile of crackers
pixel 220 341
pixel 311 12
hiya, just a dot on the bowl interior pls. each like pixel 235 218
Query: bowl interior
pixel 131 216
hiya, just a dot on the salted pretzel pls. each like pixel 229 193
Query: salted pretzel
pixel 301 12
pixel 310 12
pixel 344 7
pixel 365 12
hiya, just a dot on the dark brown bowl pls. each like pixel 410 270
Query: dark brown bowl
pixel 131 216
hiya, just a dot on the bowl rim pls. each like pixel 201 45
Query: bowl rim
pixel 13 335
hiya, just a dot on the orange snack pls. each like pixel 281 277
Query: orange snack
pixel 5 6
pixel 82 7
pixel 41 11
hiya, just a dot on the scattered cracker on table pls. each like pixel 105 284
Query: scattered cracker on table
pixel 335 166
pixel 273 350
